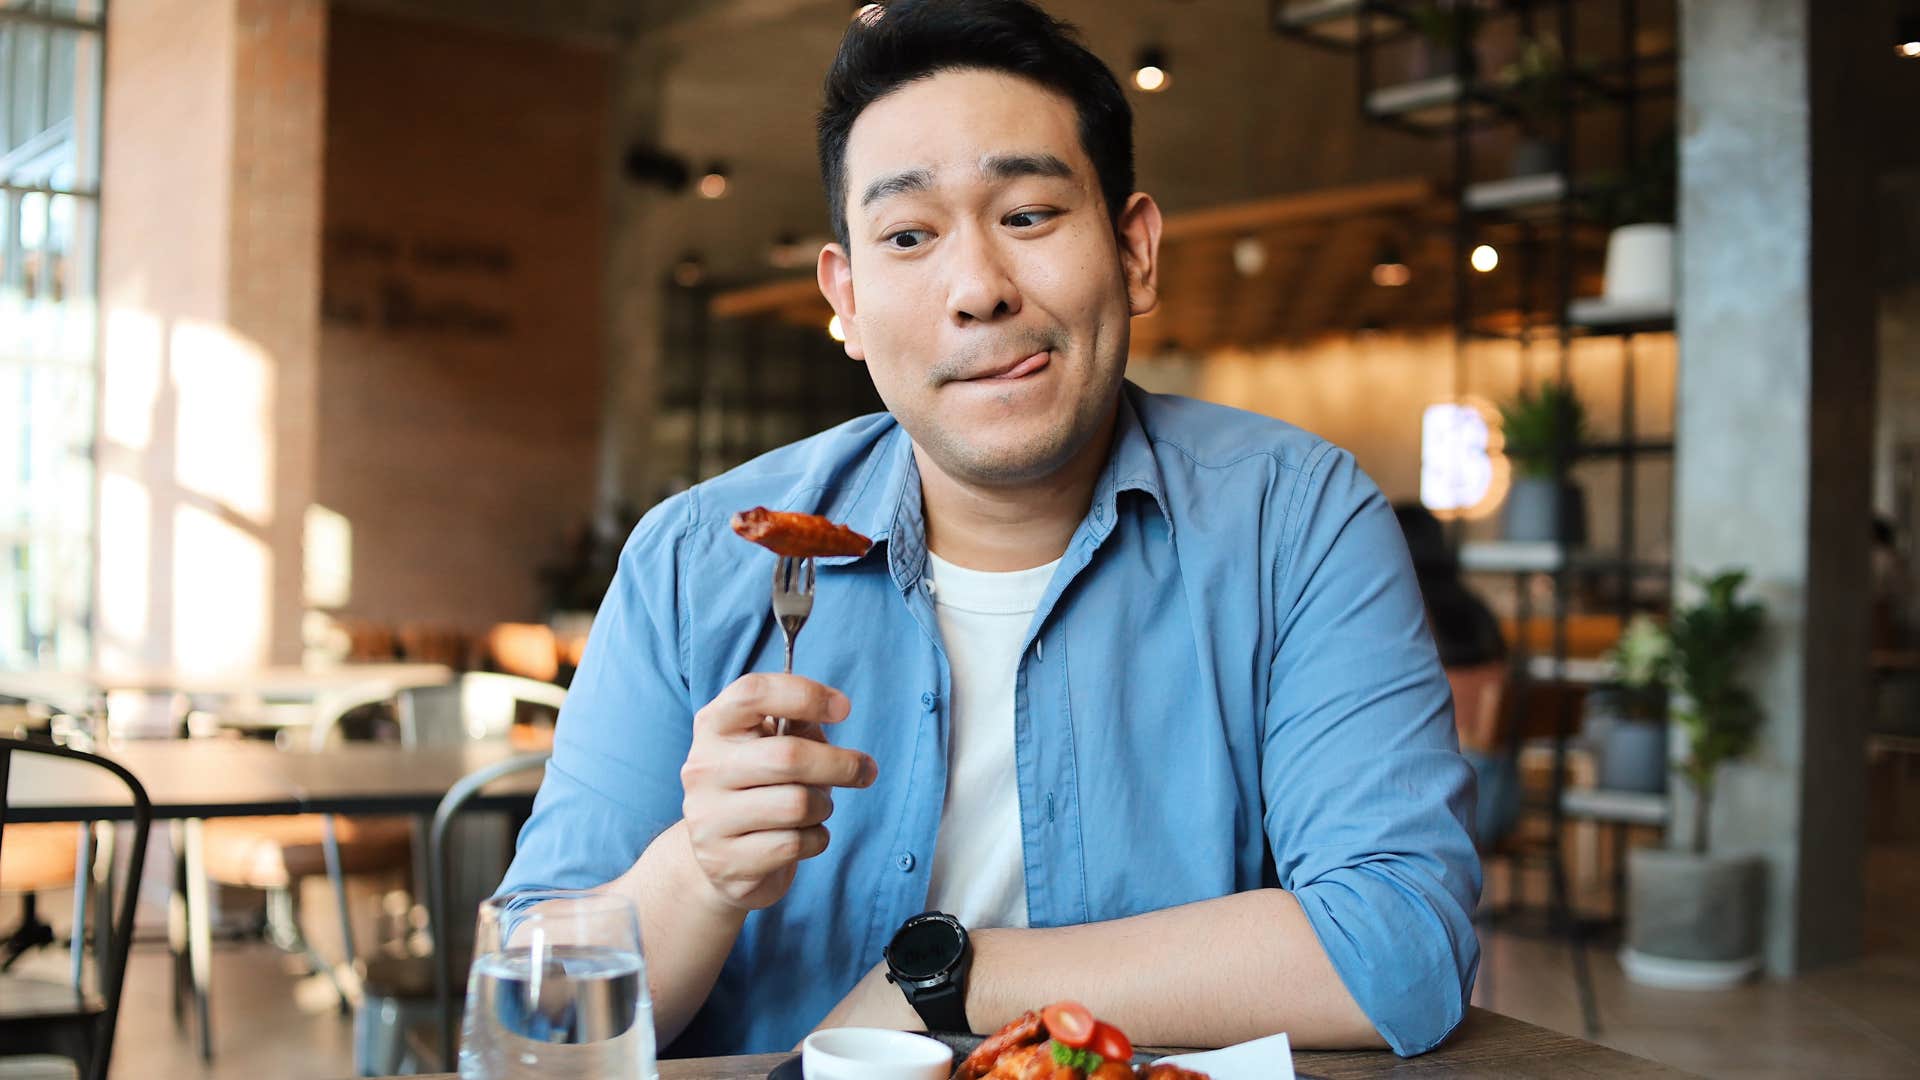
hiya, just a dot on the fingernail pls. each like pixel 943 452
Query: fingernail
pixel 840 707
pixel 869 772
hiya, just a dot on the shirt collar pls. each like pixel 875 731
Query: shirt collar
pixel 885 502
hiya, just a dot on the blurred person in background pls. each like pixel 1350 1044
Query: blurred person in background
pixel 1474 654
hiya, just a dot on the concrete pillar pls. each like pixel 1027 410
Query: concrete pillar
pixel 1777 361
pixel 210 247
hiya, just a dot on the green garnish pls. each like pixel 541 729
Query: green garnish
pixel 1085 1060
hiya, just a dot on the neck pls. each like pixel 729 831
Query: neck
pixel 1012 527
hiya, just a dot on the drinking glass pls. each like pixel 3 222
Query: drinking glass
pixel 558 990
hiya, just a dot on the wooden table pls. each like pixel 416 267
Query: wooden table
pixel 1486 1045
pixel 239 691
pixel 209 778
pixel 190 780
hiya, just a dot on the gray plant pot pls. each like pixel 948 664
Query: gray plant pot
pixel 1436 59
pixel 1532 157
pixel 1628 732
pixel 1633 756
pixel 1694 922
pixel 1539 509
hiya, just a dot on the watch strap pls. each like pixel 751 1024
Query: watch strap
pixel 943 1007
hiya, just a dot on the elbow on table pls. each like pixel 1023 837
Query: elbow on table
pixel 1426 1017
pixel 1408 960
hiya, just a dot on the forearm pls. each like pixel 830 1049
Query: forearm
pixel 1211 973
pixel 686 928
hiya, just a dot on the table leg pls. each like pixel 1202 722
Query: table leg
pixel 177 923
pixel 199 929
pixel 336 875
pixel 82 878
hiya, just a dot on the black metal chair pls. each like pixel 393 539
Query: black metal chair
pixel 39 1016
pixel 400 992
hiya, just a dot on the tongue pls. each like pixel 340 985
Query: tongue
pixel 1026 367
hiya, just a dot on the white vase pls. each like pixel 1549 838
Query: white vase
pixel 1640 265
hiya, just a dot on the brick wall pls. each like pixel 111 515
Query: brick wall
pixel 461 339
pixel 208 279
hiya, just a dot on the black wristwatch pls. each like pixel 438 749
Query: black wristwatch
pixel 928 960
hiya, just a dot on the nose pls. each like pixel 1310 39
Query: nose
pixel 980 289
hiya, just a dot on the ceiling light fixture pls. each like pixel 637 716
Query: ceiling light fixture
pixel 1249 256
pixel 1907 37
pixel 1150 70
pixel 1390 270
pixel 714 184
pixel 690 271
pixel 1484 258
pixel 836 331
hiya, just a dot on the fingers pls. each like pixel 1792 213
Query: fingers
pixel 732 767
pixel 755 804
pixel 768 852
pixel 797 761
pixel 741 707
pixel 763 809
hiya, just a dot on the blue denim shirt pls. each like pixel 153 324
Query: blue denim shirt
pixel 1229 685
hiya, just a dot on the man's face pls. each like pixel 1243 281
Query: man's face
pixel 984 284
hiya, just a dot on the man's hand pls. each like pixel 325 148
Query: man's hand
pixel 874 1002
pixel 756 804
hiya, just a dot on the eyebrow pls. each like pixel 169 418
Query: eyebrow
pixel 1014 166
pixel 901 183
pixel 996 166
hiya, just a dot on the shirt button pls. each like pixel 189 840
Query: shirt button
pixel 926 701
pixel 905 862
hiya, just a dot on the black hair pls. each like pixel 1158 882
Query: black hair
pixel 1465 630
pixel 909 40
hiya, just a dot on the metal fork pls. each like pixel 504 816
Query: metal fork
pixel 792 603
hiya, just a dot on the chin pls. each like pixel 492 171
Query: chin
pixel 1006 460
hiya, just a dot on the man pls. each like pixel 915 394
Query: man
pixel 1135 689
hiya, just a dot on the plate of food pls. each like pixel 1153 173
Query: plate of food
pixel 1060 1042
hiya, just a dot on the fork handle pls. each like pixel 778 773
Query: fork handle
pixel 780 722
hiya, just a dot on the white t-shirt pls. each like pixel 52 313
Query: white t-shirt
pixel 978 865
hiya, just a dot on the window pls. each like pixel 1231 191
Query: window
pixel 50 92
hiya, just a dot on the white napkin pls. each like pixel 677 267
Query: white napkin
pixel 1270 1058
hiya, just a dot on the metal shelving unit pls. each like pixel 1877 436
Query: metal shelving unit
pixel 1460 106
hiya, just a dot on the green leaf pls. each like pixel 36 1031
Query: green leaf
pixel 1085 1060
pixel 1542 428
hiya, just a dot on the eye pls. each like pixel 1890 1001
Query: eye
pixel 906 239
pixel 1027 219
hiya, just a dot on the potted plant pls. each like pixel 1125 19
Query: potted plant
pixel 1536 84
pixel 1627 719
pixel 1638 204
pixel 1694 917
pixel 1542 431
pixel 1448 28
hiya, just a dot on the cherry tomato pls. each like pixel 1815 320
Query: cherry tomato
pixel 1110 1043
pixel 1069 1023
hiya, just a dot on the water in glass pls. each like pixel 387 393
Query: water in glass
pixel 558 990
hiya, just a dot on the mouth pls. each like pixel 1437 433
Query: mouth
pixel 1019 369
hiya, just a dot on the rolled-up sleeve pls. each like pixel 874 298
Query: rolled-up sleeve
pixel 1368 800
pixel 614 782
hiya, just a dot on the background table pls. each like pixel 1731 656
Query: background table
pixel 207 778
pixel 190 780
pixel 1487 1045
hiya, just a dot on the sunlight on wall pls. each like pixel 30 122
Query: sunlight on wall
pixel 224 446
pixel 130 378
pixel 125 547
pixel 329 558
pixel 222 586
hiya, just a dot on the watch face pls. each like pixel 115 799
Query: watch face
pixel 924 949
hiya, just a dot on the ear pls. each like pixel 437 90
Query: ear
pixel 1138 233
pixel 835 274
